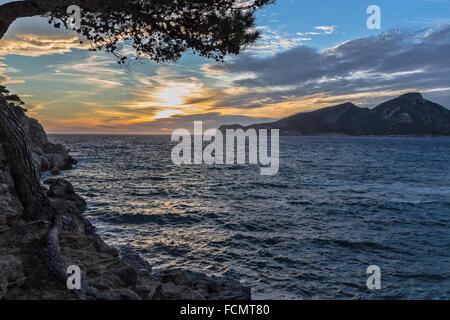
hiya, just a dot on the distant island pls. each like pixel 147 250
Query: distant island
pixel 407 115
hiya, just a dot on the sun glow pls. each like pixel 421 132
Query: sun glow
pixel 166 114
pixel 173 95
pixel 170 98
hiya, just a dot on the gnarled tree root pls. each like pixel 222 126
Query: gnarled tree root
pixel 54 261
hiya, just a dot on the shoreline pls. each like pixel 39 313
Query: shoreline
pixel 108 274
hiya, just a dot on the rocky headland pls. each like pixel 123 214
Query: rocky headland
pixel 106 273
pixel 407 115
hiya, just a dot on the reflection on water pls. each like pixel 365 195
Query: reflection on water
pixel 338 205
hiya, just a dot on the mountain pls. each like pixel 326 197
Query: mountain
pixel 408 114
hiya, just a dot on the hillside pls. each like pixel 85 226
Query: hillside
pixel 408 114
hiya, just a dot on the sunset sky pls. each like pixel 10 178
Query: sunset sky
pixel 311 54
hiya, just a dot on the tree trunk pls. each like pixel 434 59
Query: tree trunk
pixel 20 162
pixel 19 158
pixel 35 202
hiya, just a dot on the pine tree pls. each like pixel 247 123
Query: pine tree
pixel 14 101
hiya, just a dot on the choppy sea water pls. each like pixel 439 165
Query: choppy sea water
pixel 338 205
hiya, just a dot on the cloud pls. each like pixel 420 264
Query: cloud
pixel 320 30
pixel 34 37
pixel 277 77
pixel 4 79
pixel 34 45
pixel 94 64
pixel 96 71
pixel 272 41
pixel 326 29
pixel 165 94
pixel 391 62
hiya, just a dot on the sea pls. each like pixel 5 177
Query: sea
pixel 337 206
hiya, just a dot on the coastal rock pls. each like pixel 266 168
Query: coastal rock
pixel 183 284
pixel 4 228
pixel 63 189
pixel 135 261
pixel 47 155
pixel 5 176
pixel 50 181
pixel 45 163
pixel 35 133
pixel 119 294
pixel 6 210
pixel 11 274
pixel 179 277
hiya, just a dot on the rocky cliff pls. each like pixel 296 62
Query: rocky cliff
pixel 46 155
pixel 108 274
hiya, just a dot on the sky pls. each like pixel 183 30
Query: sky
pixel 311 54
